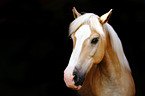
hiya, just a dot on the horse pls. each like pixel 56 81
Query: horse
pixel 97 65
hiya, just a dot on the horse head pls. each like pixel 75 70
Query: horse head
pixel 89 44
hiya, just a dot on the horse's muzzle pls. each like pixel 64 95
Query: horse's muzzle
pixel 79 77
pixel 69 79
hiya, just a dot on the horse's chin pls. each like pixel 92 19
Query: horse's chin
pixel 74 87
pixel 78 87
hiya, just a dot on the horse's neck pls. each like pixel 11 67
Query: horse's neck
pixel 110 67
pixel 109 78
pixel 107 75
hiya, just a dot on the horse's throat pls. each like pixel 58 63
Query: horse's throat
pixel 102 76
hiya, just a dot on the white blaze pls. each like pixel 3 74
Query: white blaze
pixel 81 35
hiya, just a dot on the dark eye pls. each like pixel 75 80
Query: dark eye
pixel 95 40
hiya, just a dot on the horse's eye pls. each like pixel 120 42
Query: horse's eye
pixel 95 40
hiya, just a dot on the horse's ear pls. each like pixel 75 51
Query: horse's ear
pixel 104 18
pixel 75 13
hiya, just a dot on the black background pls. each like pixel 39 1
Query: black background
pixel 35 48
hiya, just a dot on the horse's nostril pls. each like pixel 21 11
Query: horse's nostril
pixel 78 78
pixel 75 76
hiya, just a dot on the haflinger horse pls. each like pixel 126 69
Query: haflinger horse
pixel 98 65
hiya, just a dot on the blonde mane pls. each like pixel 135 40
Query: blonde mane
pixel 94 23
